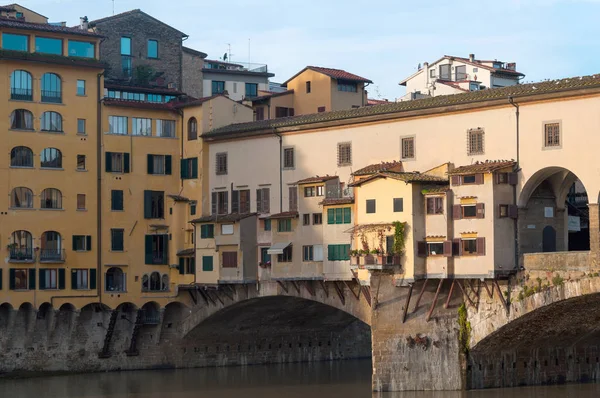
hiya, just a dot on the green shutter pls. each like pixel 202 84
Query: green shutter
pixel 150 164
pixel 147 204
pixel 330 252
pixel 211 231
pixel 42 279
pixel 74 279
pixel 108 162
pixel 345 252
pixel 194 168
pixel 183 169
pixel 181 265
pixel 168 167
pixel 330 216
pixel 193 266
pixel 339 215
pixel 92 278
pixel 148 259
pixel 74 240
pixel 165 249
pixel 88 243
pixel 126 162
pixel 11 279
pixel 207 263
pixel 61 278
pixel 347 215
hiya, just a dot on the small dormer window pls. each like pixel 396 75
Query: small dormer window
pixel 468 179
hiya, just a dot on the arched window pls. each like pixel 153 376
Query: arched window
pixel 21 198
pixel 154 282
pixel 21 246
pixel 51 121
pixel 165 283
pixel 145 284
pixel 21 156
pixel 115 280
pixel 51 158
pixel 21 119
pixel 20 86
pixel 192 129
pixel 51 198
pixel 51 247
pixel 51 88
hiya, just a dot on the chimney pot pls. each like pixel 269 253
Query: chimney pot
pixel 471 57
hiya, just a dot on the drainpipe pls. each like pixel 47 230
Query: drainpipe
pixel 99 189
pixel 280 171
pixel 516 169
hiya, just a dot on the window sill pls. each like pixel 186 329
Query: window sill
pixel 81 170
pixel 23 130
pixel 44 209
pixel 81 95
pixel 52 168
pixel 83 289
pixel 52 132
pixel 121 134
pixel 19 100
pixel 82 251
pixel 82 210
pixel 116 251
pixel 288 168
pixel 21 167
pixel 52 103
pixel 21 208
pixel 22 290
pixel 115 291
pixel 50 288
pixel 344 164
pixel 551 148
pixel 118 211
pixel 82 134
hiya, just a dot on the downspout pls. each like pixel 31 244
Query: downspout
pixel 516 169
pixel 99 189
pixel 180 112
pixel 280 171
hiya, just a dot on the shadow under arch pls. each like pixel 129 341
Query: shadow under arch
pixel 561 180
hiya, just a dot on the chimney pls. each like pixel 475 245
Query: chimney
pixel 472 57
pixel 83 23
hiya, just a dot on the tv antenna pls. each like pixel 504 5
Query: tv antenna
pixel 113 1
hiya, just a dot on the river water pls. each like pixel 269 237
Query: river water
pixel 345 379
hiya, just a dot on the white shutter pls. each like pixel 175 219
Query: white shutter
pixel 318 253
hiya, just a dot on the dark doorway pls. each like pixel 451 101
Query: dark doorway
pixel 549 239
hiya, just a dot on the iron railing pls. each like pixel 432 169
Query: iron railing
pixel 52 96
pixel 21 254
pixel 21 94
pixel 236 66
pixel 52 255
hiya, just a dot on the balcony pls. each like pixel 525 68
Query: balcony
pixel 236 66
pixel 54 97
pixel 21 94
pixel 52 255
pixel 21 255
pixel 375 262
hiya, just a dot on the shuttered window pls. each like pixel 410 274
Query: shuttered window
pixel 286 256
pixel 339 215
pixel 117 162
pixel 116 200
pixel 371 206
pixel 293 198
pixel 220 202
pixel 230 260
pixel 344 154
pixel 207 231
pixel 207 263
pixel 398 205
pixel 510 211
pixel 551 135
pixel 263 197
pixel 221 163
pixel 157 249
pixel 338 252
pixel 407 148
pixel 240 201
pixel 116 240
pixel 159 164
pixel 288 158
pixel 475 142
pixel 284 225
pixel 82 243
pixel 435 205
pixel 189 168
pixel 154 204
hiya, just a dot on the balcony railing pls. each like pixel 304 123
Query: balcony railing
pixel 150 317
pixel 52 255
pixel 338 192
pixel 21 94
pixel 21 255
pixel 237 66
pixel 52 96
pixel 375 261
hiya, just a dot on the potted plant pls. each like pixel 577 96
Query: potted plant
pixel 399 236
pixel 379 256
pixel 355 254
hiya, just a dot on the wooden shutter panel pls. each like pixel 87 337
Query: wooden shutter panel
pixel 32 279
pixel 168 165
pixel 266 197
pixel 42 279
pixel 456 247
pixel 213 204
pixel 456 212
pixel 150 164
pixel 148 249
pixel 0 279
pixel 165 249
pixel 421 249
pixel 207 263
pixel 193 265
pixel 92 278
pixel 108 162
pixel 235 201
pixel 455 180
pixel 147 204
pixel 480 207
pixel 513 211
pixel 11 279
pixel 126 163
pixel 88 243
pixel 73 279
pixel 74 240
pixel 293 198
pixel 330 216
pixel 347 215
pixel 330 252
pixel 513 178
pixel 480 246
pixel 339 215
pixel 448 248
pixel 479 178
pixel 61 278
pixel 181 265
pixel 194 168
pixel 259 192
pixel 183 169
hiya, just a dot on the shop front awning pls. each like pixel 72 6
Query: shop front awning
pixel 277 248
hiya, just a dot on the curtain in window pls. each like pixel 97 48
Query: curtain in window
pixel 51 158
pixel 21 197
pixel 158 164
pixel 51 198
pixel 165 128
pixel 21 119
pixel 21 156
pixel 155 281
pixel 51 121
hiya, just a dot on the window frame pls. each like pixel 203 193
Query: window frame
pixel 367 203
pixel 117 233
pixel 468 241
pixel 309 192
pixel 344 155
pixel 398 203
pixel 116 124
pixel 81 201
pixel 21 157
pixel 144 124
pixel 413 140
pixel 5 35
pixel 437 254
pixel 217 84
pixel 558 125
pixel 306 219
pixel 308 253
pixel 284 225
pixel 47 164
pixel 317 218
pixel 436 209
pixel 221 166
pixel 148 55
pixel 287 255
pixel 462 211
pixel 475 142
pixel 286 158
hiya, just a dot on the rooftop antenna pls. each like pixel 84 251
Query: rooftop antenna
pixel 113 1
pixel 248 50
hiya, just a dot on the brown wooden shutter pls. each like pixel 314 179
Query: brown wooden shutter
pixel 266 197
pixel 479 178
pixel 213 204
pixel 481 246
pixel 422 249
pixel 513 211
pixel 456 212
pixel 290 111
pixel 513 178
pixel 455 180
pixel 457 249
pixel 293 198
pixel 448 248
pixel 259 192
pixel 235 201
pixel 480 207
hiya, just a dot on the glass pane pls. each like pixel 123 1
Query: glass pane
pixel 80 87
pixel 15 42
pixel 48 46
pixel 152 49
pixel 81 49
pixel 125 46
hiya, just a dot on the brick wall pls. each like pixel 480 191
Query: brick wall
pixel 192 74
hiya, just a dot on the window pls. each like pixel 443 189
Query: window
pixel 46 45
pixel 21 156
pixel 317 218
pixel 81 162
pixel 51 121
pixel 398 205
pixel 159 164
pixel 469 179
pixel 20 86
pixel 155 282
pixel 117 125
pixel 21 198
pixel 207 231
pixel 49 279
pixel 81 126
pixel 503 211
pixel 469 247
pixel 293 198
pixel 288 158
pixel 469 211
pixel 117 162
pixel 226 229
pixel 502 178
pixel 461 72
pixel 116 200
pixel 115 280
pixel 141 126
pixel 435 248
pixel 207 263
pixel 265 257
pixel 551 135
pixel 79 279
pixel 445 72
pixel 435 205
pixel 407 147
pixel 370 206
pixel 321 109
pixel 21 119
pixel 286 256
pixel 81 49
pixel 51 247
pixel 320 190
pixel 306 219
pixel 189 168
pixel 284 225
pixel 51 158
pixel 21 246
pixel 82 243
pixel 338 252
pixel 116 240
pixel 309 192
pixel 218 87
pixel 157 247
pixel 432 73
pixel 80 201
pixel 267 224
pixel 235 87
pixel 152 49
pixel 125 46
pixel 187 266
pixel 51 198
pixel 14 42
pixel 281 111
pixel 260 113
pixel 340 215
pixel 475 142
pixel 240 201
pixel 307 253
pixel 81 87
pixel 263 198
pixel 347 86
pixel 308 87
pixel 51 90
pixel 18 279
pixel 344 154
pixel 230 260
pixel 192 129
pixel 154 204
pixel 220 202
pixel 251 90
pixel 165 128
pixel 221 166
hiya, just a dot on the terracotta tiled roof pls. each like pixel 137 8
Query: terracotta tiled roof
pixel 285 214
pixel 185 252
pixel 452 84
pixel 133 12
pixel 199 101
pixel 394 166
pixel 224 218
pixel 435 190
pixel 397 108
pixel 52 59
pixel 44 27
pixel 315 179
pixel 406 177
pixel 7 8
pixel 178 198
pixel 271 95
pixel 337 201
pixel 483 167
pixel 138 104
pixel 371 101
pixel 333 73
pixel 195 52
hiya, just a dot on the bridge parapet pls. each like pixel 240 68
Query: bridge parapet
pixel 557 261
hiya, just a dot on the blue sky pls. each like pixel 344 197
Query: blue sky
pixel 382 40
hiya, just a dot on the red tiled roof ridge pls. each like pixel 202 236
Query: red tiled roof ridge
pixel 316 178
pixel 338 73
pixel 482 166
pixel 377 167
pixel 45 27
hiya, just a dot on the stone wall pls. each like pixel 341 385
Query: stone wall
pixel 192 64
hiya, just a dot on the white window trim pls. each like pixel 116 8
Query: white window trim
pixel 560 137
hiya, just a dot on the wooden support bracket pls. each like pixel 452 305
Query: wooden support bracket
pixel 193 297
pixel 437 293
pixel 410 289
pixel 283 286
pixel 219 297
pixel 487 289
pixel 356 295
pixel 226 293
pixel 500 294
pixel 340 292
pixel 325 288
pixel 309 288
pixel 420 295
pixel 295 284
pixel 366 290
pixel 206 297
pixel 447 304
pixel 465 294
